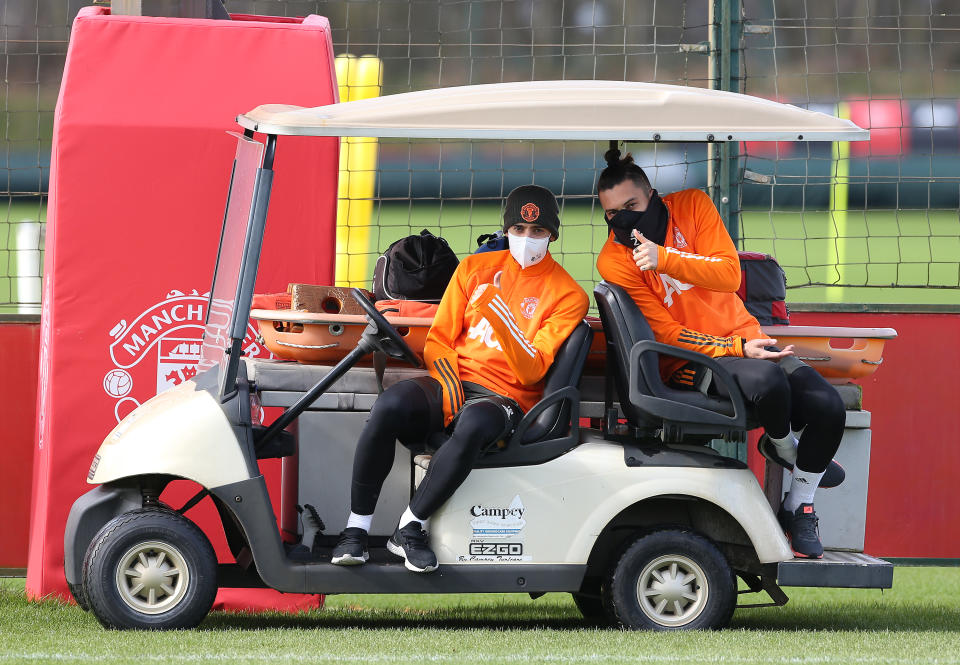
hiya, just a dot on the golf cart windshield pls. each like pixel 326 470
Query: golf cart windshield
pixel 223 333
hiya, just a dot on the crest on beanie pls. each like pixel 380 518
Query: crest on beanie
pixel 530 212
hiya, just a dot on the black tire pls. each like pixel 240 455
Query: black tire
pixel 662 563
pixel 590 603
pixel 180 567
pixel 76 590
pixel 591 607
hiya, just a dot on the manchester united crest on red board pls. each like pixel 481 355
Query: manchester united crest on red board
pixel 168 334
pixel 530 212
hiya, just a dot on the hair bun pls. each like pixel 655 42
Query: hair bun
pixel 612 156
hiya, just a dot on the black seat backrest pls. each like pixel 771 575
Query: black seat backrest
pixel 551 427
pixel 648 403
pixel 567 367
pixel 624 326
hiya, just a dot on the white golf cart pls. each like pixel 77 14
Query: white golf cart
pixel 642 522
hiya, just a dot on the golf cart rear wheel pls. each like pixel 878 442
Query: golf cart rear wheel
pixel 589 601
pixel 150 569
pixel 671 580
pixel 591 607
pixel 76 590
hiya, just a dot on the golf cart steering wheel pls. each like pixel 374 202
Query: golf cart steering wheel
pixel 383 336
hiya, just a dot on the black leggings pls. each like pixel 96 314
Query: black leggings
pixel 796 400
pixel 410 412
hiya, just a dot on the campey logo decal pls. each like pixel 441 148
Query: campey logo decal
pixel 498 522
pixel 494 524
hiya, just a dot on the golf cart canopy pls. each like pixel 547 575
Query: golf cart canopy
pixel 550 110
pixel 559 110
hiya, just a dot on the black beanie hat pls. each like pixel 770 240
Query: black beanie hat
pixel 534 205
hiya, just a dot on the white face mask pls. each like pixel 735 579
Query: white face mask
pixel 526 250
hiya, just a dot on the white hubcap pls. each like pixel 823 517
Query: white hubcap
pixel 672 590
pixel 152 577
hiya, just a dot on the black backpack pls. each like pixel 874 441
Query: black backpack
pixel 417 267
pixel 763 288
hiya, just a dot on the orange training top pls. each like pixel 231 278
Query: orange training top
pixel 506 339
pixel 690 299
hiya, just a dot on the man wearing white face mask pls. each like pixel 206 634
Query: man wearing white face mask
pixel 502 319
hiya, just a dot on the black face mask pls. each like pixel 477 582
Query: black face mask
pixel 652 223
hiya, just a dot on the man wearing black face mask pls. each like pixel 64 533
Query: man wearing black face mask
pixel 677 261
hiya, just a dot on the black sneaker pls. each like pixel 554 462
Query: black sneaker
pixel 833 476
pixel 351 549
pixel 410 542
pixel 801 529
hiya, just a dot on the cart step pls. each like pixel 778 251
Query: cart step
pixel 851 570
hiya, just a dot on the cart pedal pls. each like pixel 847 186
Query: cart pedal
pixel 313 526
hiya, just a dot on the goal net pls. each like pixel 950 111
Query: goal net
pixel 869 222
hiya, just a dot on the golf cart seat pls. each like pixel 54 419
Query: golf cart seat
pixel 647 403
pixel 551 427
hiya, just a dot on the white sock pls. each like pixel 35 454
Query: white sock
pixel 802 487
pixel 408 517
pixel 786 447
pixel 359 521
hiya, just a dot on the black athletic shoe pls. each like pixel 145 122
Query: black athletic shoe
pixel 833 476
pixel 410 542
pixel 801 529
pixel 351 549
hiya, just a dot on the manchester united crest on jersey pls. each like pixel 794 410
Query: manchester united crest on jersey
pixel 678 240
pixel 529 306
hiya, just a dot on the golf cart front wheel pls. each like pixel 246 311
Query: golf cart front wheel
pixel 150 569
pixel 671 580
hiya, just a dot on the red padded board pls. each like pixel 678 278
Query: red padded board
pixel 139 177
pixel 19 344
pixel 911 504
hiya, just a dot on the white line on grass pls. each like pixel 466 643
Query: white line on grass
pixel 474 657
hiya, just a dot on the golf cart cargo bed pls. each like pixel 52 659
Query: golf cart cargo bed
pixel 839 354
pixel 849 570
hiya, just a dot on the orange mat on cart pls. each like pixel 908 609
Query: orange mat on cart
pixel 324 337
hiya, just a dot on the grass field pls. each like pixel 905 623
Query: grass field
pixel 881 251
pixel 916 622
